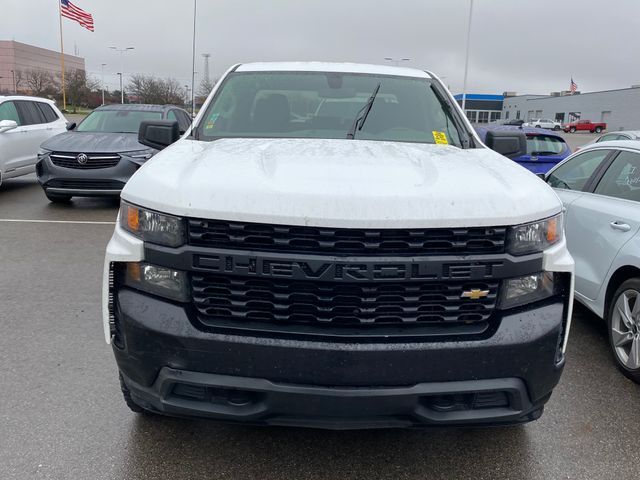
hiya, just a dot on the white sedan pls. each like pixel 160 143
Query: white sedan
pixel 25 122
pixel 600 189
pixel 543 123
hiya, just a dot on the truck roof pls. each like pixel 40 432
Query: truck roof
pixel 332 67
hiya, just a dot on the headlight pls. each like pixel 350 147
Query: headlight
pixel 140 156
pixel 534 237
pixel 151 226
pixel 161 281
pixel 527 289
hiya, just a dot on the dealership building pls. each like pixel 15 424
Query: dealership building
pixel 481 108
pixel 619 109
pixel 18 58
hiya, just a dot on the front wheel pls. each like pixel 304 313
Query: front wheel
pixel 623 320
pixel 58 198
pixel 556 128
pixel 598 129
pixel 572 130
pixel 537 126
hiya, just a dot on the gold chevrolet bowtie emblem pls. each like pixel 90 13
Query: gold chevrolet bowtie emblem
pixel 475 294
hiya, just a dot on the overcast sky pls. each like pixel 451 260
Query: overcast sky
pixel 517 45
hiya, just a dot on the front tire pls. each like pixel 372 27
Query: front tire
pixel 556 128
pixel 572 130
pixel 623 321
pixel 598 129
pixel 58 198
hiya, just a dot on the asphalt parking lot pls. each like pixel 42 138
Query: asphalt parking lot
pixel 62 415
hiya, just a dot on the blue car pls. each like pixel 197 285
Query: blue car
pixel 545 148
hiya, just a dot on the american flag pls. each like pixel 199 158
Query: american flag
pixel 69 10
pixel 573 86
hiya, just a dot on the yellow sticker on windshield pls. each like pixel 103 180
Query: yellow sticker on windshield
pixel 440 138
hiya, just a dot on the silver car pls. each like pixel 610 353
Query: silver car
pixel 600 189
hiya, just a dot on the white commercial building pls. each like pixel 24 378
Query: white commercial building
pixel 619 109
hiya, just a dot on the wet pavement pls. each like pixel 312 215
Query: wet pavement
pixel 62 415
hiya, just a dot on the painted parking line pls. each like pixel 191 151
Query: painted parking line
pixel 72 222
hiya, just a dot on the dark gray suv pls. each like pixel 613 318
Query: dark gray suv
pixel 97 157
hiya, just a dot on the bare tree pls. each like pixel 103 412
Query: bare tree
pixel 149 89
pixel 79 87
pixel 18 79
pixel 39 81
pixel 205 87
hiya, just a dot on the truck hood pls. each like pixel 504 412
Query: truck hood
pixel 340 183
pixel 93 142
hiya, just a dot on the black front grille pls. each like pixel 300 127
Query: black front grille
pixel 249 300
pixel 85 184
pixel 93 160
pixel 343 241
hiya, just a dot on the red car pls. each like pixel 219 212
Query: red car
pixel 584 125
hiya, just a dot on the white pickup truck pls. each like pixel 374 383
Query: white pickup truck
pixel 369 265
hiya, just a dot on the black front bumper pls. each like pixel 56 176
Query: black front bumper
pixel 172 367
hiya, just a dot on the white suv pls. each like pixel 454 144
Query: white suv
pixel 25 122
pixel 544 123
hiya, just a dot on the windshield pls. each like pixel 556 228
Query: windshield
pixel 544 145
pixel 116 121
pixel 325 105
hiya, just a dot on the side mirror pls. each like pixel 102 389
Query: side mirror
pixel 71 125
pixel 6 125
pixel 158 134
pixel 509 144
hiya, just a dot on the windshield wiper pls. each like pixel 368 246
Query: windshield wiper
pixel 362 115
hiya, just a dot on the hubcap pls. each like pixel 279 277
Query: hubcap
pixel 625 329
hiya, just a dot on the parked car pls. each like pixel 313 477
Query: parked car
pixel 383 269
pixel 516 122
pixel 546 123
pixel 621 135
pixel 545 149
pixel 600 188
pixel 584 126
pixel 25 122
pixel 97 157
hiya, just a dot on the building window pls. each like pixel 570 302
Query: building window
pixel 471 115
pixel 495 116
pixel 518 115
pixel 506 115
pixel 560 117
pixel 483 117
pixel 574 116
pixel 538 114
pixel 529 115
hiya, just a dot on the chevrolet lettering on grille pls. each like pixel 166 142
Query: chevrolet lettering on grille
pixel 350 271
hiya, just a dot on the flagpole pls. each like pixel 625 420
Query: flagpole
pixel 64 95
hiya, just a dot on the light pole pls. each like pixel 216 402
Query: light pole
pixel 466 60
pixel 122 51
pixel 396 61
pixel 193 62
pixel 102 69
pixel 15 87
pixel 121 93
